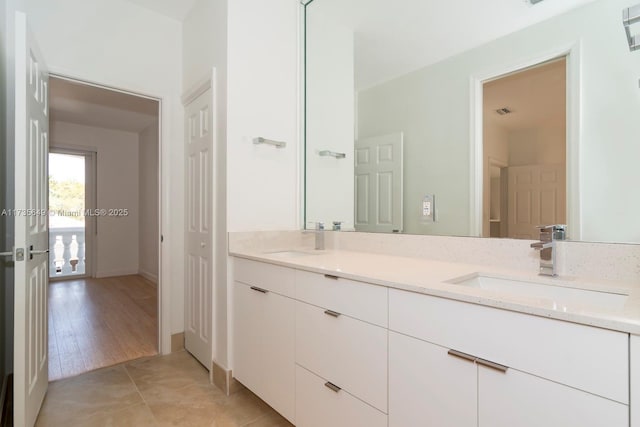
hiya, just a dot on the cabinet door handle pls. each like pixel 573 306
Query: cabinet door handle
pixel 461 355
pixel 264 291
pixel 332 386
pixel 492 365
pixel 331 276
pixel 332 313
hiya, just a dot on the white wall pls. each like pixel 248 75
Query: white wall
pixel 262 187
pixel 148 202
pixel 116 251
pixel 431 106
pixel 204 34
pixel 120 44
pixel 545 144
pixel 330 118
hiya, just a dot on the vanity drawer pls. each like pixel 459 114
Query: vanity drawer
pixel 356 299
pixel 588 358
pixel 346 351
pixel 320 406
pixel 265 276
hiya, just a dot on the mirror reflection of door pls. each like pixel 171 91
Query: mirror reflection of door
pixel 524 145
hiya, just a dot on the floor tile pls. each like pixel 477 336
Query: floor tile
pixel 172 390
pixel 99 392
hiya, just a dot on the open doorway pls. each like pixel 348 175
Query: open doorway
pixel 525 151
pixel 104 234
pixel 71 203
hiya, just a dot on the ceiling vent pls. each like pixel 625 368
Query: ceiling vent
pixel 503 111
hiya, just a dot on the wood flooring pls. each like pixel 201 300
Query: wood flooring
pixel 94 323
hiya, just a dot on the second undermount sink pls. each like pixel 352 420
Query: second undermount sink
pixel 561 296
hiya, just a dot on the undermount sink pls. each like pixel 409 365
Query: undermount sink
pixel 291 253
pixel 561 296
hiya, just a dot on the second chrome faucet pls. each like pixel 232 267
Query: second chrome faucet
pixel 549 234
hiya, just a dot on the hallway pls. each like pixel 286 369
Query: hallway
pixel 94 323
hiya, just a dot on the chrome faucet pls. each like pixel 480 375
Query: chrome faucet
pixel 319 232
pixel 549 234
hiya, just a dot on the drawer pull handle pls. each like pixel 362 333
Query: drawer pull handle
pixel 461 355
pixel 331 276
pixel 492 365
pixel 264 291
pixel 332 313
pixel 332 386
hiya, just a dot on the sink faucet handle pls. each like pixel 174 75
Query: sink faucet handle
pixel 317 225
pixel 552 232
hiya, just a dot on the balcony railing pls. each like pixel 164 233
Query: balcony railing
pixel 67 252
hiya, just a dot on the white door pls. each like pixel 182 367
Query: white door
pixel 31 226
pixel 378 183
pixel 199 227
pixel 536 196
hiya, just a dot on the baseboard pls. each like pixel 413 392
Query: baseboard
pixel 177 342
pixel 223 379
pixel 149 276
pixel 114 273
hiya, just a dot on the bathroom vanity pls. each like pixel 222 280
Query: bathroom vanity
pixel 359 339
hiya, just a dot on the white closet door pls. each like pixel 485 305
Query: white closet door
pixel 199 222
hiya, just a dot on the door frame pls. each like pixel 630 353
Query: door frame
pixel 572 52
pixel 90 197
pixel 164 268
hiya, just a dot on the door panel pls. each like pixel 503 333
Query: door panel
pixel 536 196
pixel 199 236
pixel 518 399
pixel 378 183
pixel 31 226
pixel 428 387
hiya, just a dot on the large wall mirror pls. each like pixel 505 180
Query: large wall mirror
pixel 471 118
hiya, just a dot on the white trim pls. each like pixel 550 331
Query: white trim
pixel 198 88
pixel 302 114
pixel 114 273
pixel 164 136
pixel 574 125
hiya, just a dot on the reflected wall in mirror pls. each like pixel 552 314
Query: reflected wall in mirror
pixel 424 72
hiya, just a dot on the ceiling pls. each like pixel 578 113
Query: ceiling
pixel 92 106
pixel 175 9
pixel 392 38
pixel 535 96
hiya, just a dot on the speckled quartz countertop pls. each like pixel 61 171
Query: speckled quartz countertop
pixel 435 278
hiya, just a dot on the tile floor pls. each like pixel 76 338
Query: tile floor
pixel 170 390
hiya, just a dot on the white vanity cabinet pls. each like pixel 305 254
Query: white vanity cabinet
pixel 526 370
pixel 264 333
pixel 324 350
pixel 341 352
pixel 429 387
